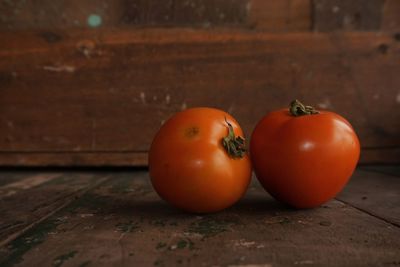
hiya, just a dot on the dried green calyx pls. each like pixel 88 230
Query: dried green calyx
pixel 298 109
pixel 234 145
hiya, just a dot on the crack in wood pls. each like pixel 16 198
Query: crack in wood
pixel 368 212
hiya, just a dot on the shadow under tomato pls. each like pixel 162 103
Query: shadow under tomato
pixel 259 204
pixel 250 205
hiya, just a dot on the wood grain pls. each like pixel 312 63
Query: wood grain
pixel 274 16
pixel 354 15
pixel 378 194
pixel 380 155
pixel 123 223
pixel 67 159
pixel 280 16
pixel 391 17
pixel 132 158
pixel 393 170
pixel 10 175
pixel 26 202
pixel 122 13
pixel 109 91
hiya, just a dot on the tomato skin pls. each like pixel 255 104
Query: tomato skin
pixel 189 167
pixel 304 161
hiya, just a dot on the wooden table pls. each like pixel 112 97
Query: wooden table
pixel 114 218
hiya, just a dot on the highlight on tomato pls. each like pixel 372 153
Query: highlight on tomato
pixel 302 156
pixel 198 160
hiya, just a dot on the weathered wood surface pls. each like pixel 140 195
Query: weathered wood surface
pixel 272 15
pixel 122 222
pixel 375 193
pixel 385 169
pixel 353 15
pixel 116 13
pixel 280 16
pixel 391 17
pixel 378 155
pixel 109 91
pixel 67 159
pixel 9 176
pixel 26 201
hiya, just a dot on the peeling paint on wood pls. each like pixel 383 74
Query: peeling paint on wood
pixel 61 68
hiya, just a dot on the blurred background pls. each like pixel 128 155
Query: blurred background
pixel 88 83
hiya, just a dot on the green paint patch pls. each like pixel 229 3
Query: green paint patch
pixel 122 185
pixel 94 20
pixel 183 243
pixel 285 220
pixel 159 222
pixel 158 263
pixel 85 264
pixel 161 245
pixel 89 201
pixel 27 241
pixel 209 227
pixel 63 258
pixel 128 227
pixel 15 250
pixel 191 244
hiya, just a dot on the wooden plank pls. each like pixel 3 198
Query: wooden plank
pixel 67 159
pixel 280 16
pixel 375 193
pixel 116 13
pixel 27 183
pixel 113 89
pixel 211 13
pixel 274 16
pixel 123 223
pixel 390 17
pixel 25 203
pixel 358 15
pixel 385 169
pixel 126 158
pixel 11 175
pixel 380 155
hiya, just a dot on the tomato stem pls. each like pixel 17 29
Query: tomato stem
pixel 234 145
pixel 299 109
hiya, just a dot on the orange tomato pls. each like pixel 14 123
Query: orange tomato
pixel 197 161
pixel 303 157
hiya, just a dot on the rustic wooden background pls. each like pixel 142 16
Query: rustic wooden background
pixel 88 83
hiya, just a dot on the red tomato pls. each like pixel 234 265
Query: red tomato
pixel 197 161
pixel 304 157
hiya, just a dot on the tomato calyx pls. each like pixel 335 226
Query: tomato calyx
pixel 299 109
pixel 234 145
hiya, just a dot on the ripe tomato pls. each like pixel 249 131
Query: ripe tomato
pixel 197 161
pixel 304 157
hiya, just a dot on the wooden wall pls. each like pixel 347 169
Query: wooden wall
pixel 88 83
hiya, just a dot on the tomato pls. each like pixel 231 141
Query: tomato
pixel 304 157
pixel 197 161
